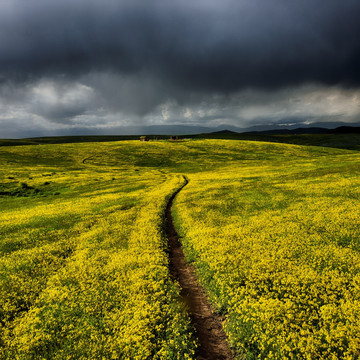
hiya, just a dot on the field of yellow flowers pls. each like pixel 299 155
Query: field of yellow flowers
pixel 83 271
pixel 272 230
pixel 276 244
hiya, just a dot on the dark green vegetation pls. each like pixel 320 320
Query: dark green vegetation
pixel 341 141
pixel 349 141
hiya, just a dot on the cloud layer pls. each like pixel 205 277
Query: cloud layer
pixel 78 60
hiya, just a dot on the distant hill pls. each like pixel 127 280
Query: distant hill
pixel 347 130
pixel 309 130
pixel 165 130
pixel 295 126
pixel 223 132
pixel 345 136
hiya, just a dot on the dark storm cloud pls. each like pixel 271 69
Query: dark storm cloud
pixel 76 66
pixel 209 46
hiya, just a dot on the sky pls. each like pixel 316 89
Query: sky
pixel 85 66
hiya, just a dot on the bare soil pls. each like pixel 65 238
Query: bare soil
pixel 208 325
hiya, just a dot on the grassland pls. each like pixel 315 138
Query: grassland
pixel 277 247
pixel 350 141
pixel 83 271
pixel 272 229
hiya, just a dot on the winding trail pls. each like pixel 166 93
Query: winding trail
pixel 88 158
pixel 208 324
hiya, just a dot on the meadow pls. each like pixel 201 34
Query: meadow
pixel 271 229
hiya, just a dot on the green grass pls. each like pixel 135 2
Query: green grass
pixel 341 141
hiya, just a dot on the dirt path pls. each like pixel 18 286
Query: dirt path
pixel 211 336
pixel 88 158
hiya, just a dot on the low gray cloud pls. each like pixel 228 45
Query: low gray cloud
pixel 61 102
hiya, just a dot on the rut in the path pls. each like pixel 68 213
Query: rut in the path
pixel 208 325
